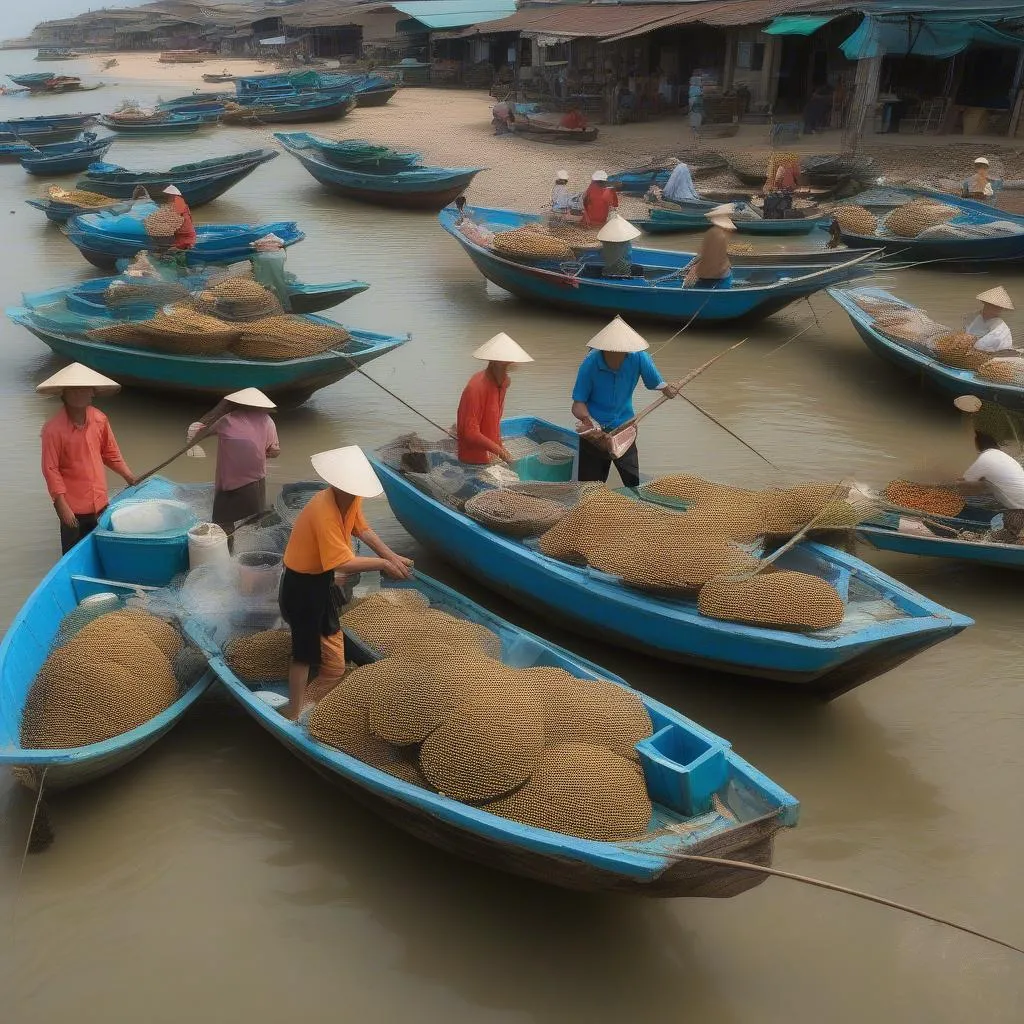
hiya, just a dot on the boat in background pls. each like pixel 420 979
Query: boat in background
pixel 67 157
pixel 159 124
pixel 42 122
pixel 662 221
pixel 549 131
pixel 303 109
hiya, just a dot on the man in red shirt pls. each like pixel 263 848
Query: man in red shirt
pixel 185 236
pixel 77 444
pixel 478 427
pixel 598 201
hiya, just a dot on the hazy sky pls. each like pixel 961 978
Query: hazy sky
pixel 18 16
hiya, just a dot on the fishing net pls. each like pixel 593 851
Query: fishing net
pixel 855 220
pixel 581 790
pixel 162 224
pixel 1003 370
pixel 957 349
pixel 911 327
pixel 237 299
pixel 775 600
pixel 122 292
pixel 990 229
pixel 526 244
pixel 259 657
pixel 288 337
pixel 110 676
pixel 78 197
pixel 910 220
pixel 293 498
pixel 574 236
pixel 525 510
pixel 177 329
pixel 940 501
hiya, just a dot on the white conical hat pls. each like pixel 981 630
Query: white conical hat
pixel 968 403
pixel 618 229
pixel 599 176
pixel 252 397
pixel 503 349
pixel 996 297
pixel 349 470
pixel 172 190
pixel 618 336
pixel 721 216
pixel 78 376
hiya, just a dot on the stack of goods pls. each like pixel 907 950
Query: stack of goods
pixel 526 510
pixel 76 197
pixel 259 657
pixel 957 349
pixel 238 298
pixel 110 676
pixel 1003 370
pixel 855 220
pixel 130 112
pixel 910 220
pixel 938 501
pixel 288 337
pixel 162 223
pixel 750 164
pixel 909 325
pixel 531 244
pixel 575 237
pixel 147 291
pixel 534 745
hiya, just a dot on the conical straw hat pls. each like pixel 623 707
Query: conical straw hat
pixel 996 297
pixel 721 217
pixel 252 397
pixel 78 376
pixel 968 403
pixel 349 470
pixel 618 229
pixel 502 349
pixel 618 336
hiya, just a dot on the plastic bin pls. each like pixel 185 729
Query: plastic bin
pixel 151 559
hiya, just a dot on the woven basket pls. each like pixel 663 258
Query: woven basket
pixel 287 337
pixel 957 349
pixel 162 224
pixel 523 244
pixel 855 220
pixel 910 220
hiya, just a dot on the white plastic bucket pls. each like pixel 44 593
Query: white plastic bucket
pixel 207 545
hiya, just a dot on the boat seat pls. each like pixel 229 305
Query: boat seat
pixel 683 771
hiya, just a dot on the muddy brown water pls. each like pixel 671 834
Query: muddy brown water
pixel 217 879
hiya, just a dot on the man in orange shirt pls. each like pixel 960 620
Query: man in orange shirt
pixel 318 559
pixel 185 236
pixel 598 201
pixel 77 444
pixel 478 427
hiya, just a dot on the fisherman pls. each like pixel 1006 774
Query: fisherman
pixel 602 399
pixel 679 187
pixel 979 185
pixel 140 194
pixel 786 177
pixel 616 239
pixel 712 267
pixel 319 562
pixel 185 236
pixel 573 119
pixel 268 260
pixel 561 197
pixel 994 472
pixel 478 427
pixel 246 438
pixel 77 443
pixel 988 326
pixel 598 201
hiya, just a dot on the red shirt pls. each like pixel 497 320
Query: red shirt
pixel 598 202
pixel 573 119
pixel 478 426
pixel 74 457
pixel 185 236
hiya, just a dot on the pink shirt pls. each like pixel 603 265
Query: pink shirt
pixel 243 438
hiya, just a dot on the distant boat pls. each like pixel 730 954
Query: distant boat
pixel 302 109
pixel 67 157
pixel 662 221
pixel 159 124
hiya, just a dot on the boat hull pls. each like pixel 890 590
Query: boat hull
pixel 666 222
pixel 195 191
pixel 375 97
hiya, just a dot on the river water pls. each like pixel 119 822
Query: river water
pixel 216 879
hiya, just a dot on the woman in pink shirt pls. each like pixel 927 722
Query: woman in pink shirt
pixel 246 438
pixel 77 443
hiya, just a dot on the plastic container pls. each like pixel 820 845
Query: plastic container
pixel 537 467
pixel 259 573
pixel 150 559
pixel 155 515
pixel 207 545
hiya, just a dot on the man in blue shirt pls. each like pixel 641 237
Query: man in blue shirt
pixel 603 397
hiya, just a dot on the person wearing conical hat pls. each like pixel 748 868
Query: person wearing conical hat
pixel 246 438
pixel 616 239
pixel 988 326
pixel 712 268
pixel 77 443
pixel 185 236
pixel 602 398
pixel 979 185
pixel 478 426
pixel 598 201
pixel 319 562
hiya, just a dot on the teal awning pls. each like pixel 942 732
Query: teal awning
pixel 921 36
pixel 797 24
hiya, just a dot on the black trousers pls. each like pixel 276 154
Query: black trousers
pixel 595 464
pixel 71 535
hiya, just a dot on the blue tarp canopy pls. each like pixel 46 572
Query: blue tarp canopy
pixel 797 24
pixel 924 36
pixel 442 14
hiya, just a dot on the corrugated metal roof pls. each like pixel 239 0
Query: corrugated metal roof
pixel 455 13
pixel 584 20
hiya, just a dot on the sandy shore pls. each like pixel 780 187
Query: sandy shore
pixel 146 67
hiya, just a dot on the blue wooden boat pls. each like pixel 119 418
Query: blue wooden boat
pixel 886 624
pixel 976 248
pixel 13 145
pixel 169 124
pixel 947 379
pixel 639 182
pixel 375 95
pixel 205 106
pixel 41 122
pixel 662 221
pixel 78 575
pixel 357 154
pixel 654 292
pixel 421 188
pixel 32 80
pixel 686 769
pixel 66 157
pixel 105 237
pixel 287 381
pixel 300 109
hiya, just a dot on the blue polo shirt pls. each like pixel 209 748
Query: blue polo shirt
pixel 608 393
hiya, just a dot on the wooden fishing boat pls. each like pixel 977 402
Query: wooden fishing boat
pixel 300 110
pixel 77 576
pixel 655 291
pixel 662 221
pixel 421 188
pixel 686 767
pixel 58 212
pixel 637 180
pixel 549 131
pixel 41 143
pixel 357 154
pixel 67 157
pixel 200 103
pixel 41 122
pixel 287 381
pixel 977 240
pixel 218 79
pixel 38 137
pixel 947 379
pixel 886 624
pixel 105 237
pixel 164 124
pixel 375 96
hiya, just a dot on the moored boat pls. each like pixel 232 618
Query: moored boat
pixel 41 122
pixel 549 131
pixel 67 157
pixel 664 221
pixel 161 124
pixel 303 109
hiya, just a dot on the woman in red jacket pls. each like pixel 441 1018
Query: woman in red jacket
pixel 185 236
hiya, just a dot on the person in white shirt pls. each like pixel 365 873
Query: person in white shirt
pixel 994 472
pixel 979 185
pixel 988 326
pixel 679 187
pixel 561 197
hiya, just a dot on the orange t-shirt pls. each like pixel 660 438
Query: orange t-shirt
pixel 321 538
pixel 598 202
pixel 478 426
pixel 185 236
